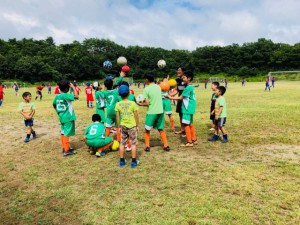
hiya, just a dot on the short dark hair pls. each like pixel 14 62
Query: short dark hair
pixel 216 83
pixel 96 117
pixel 108 84
pixel 64 85
pixel 149 76
pixel 222 89
pixel 189 74
pixel 182 68
pixel 25 94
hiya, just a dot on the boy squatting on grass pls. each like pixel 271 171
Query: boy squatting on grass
pixel 62 103
pixel 128 121
pixel 95 138
pixel 27 109
pixel 188 109
pixel 220 115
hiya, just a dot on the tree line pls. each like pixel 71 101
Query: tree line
pixel 42 60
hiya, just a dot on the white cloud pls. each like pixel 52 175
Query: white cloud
pixel 20 20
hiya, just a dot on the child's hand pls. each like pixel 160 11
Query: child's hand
pixel 71 85
pixel 122 74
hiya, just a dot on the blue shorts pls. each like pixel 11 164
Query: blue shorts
pixel 28 123
pixel 220 122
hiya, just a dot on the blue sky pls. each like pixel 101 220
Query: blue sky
pixel 169 24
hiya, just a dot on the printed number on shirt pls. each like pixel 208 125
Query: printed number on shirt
pixel 110 99
pixel 93 130
pixel 60 106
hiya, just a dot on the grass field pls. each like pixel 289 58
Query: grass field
pixel 253 179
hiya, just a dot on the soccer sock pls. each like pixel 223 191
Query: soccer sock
pixel 36 98
pixel 118 131
pixel 133 159
pixel 163 138
pixel 107 131
pixel 187 130
pixel 122 160
pixel 91 104
pixel 62 140
pixel 105 147
pixel 0 102
pixel 172 122
pixel 193 132
pixel 147 139
pixel 225 136
pixel 87 104
pixel 66 144
pixel 27 135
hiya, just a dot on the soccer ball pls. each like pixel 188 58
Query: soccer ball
pixel 95 84
pixel 115 146
pixel 125 69
pixel 107 64
pixel 164 86
pixel 161 64
pixel 122 61
pixel 172 82
pixel 140 98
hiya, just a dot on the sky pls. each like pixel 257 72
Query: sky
pixel 168 24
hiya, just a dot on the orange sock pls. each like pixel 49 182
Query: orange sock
pixel 105 147
pixel 62 140
pixel 172 123
pixel 163 138
pixel 118 131
pixel 66 143
pixel 107 131
pixel 147 139
pixel 193 132
pixel 187 130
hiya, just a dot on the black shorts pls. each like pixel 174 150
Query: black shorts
pixel 178 106
pixel 220 122
pixel 28 123
pixel 39 93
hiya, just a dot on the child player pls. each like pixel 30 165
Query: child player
pixel 27 109
pixel 39 91
pixel 1 94
pixel 89 95
pixel 62 103
pixel 100 101
pixel 155 113
pixel 128 121
pixel 214 86
pixel 167 106
pixel 188 109
pixel 220 115
pixel 94 136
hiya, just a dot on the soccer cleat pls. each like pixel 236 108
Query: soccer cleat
pixel 147 149
pixel 26 139
pixel 134 164
pixel 167 148
pixel 34 136
pixel 100 154
pixel 224 140
pixel 122 163
pixel 70 152
pixel 187 144
pixel 213 138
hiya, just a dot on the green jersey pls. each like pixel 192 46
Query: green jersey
pixel 220 102
pixel 153 93
pixel 26 107
pixel 100 101
pixel 64 108
pixel 126 109
pixel 189 100
pixel 111 98
pixel 94 131
pixel 131 97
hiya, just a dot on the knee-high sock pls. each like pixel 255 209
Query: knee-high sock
pixel 188 133
pixel 147 139
pixel 66 144
pixel 193 132
pixel 105 147
pixel 107 131
pixel 62 140
pixel 163 138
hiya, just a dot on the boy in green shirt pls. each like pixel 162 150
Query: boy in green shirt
pixel 188 109
pixel 27 109
pixel 62 103
pixel 220 115
pixel 94 136
pixel 128 121
pixel 100 102
pixel 155 112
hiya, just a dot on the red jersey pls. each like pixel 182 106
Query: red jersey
pixel 89 94
pixel 1 92
pixel 57 90
pixel 39 88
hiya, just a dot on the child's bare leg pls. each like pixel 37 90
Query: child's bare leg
pixel 121 151
pixel 223 130
pixel 133 151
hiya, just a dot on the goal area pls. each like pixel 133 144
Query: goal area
pixel 283 74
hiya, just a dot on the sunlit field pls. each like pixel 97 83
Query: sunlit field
pixel 253 179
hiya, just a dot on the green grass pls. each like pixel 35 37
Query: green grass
pixel 253 179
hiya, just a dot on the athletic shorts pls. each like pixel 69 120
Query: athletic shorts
pixel 156 121
pixel 128 133
pixel 212 117
pixel 178 106
pixel 109 122
pixel 68 129
pixel 28 123
pixel 167 107
pixel 187 118
pixel 220 122
pixel 39 93
pixel 98 143
pixel 101 113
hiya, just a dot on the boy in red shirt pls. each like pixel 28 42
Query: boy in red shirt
pixel 39 91
pixel 89 95
pixel 1 94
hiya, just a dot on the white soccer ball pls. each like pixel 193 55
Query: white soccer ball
pixel 140 98
pixel 161 64
pixel 122 61
pixel 95 84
